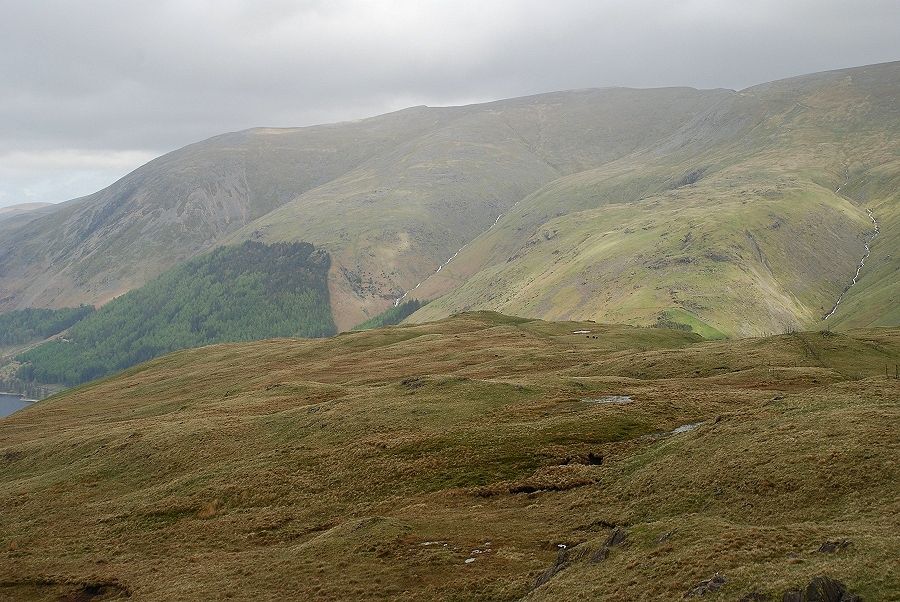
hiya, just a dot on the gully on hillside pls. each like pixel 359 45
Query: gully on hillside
pixel 858 267
pixel 400 299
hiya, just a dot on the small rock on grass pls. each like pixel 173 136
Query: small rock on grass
pixel 829 547
pixel 565 556
pixel 704 587
pixel 663 537
pixel 615 538
pixel 600 555
pixel 821 589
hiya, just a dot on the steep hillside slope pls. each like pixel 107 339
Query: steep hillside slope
pixel 751 219
pixel 387 197
pixel 480 458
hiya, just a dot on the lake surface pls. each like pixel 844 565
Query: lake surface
pixel 10 403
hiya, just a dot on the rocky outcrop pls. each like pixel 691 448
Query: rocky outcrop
pixel 821 589
pixel 712 584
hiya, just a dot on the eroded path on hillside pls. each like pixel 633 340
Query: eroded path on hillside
pixel 859 267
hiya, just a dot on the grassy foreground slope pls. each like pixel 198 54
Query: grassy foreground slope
pixel 454 460
pixel 749 220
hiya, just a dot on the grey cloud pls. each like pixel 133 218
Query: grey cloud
pixel 105 77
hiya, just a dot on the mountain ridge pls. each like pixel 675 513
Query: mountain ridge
pixel 211 189
pixel 392 197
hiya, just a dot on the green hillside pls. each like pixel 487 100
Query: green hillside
pixel 484 457
pixel 875 299
pixel 252 291
pixel 750 220
pixel 415 206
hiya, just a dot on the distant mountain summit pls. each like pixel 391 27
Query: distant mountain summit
pixel 21 208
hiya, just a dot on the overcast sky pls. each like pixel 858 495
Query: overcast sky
pixel 91 89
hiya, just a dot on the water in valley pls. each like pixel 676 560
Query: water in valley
pixel 11 403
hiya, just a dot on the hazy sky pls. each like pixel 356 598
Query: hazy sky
pixel 92 89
